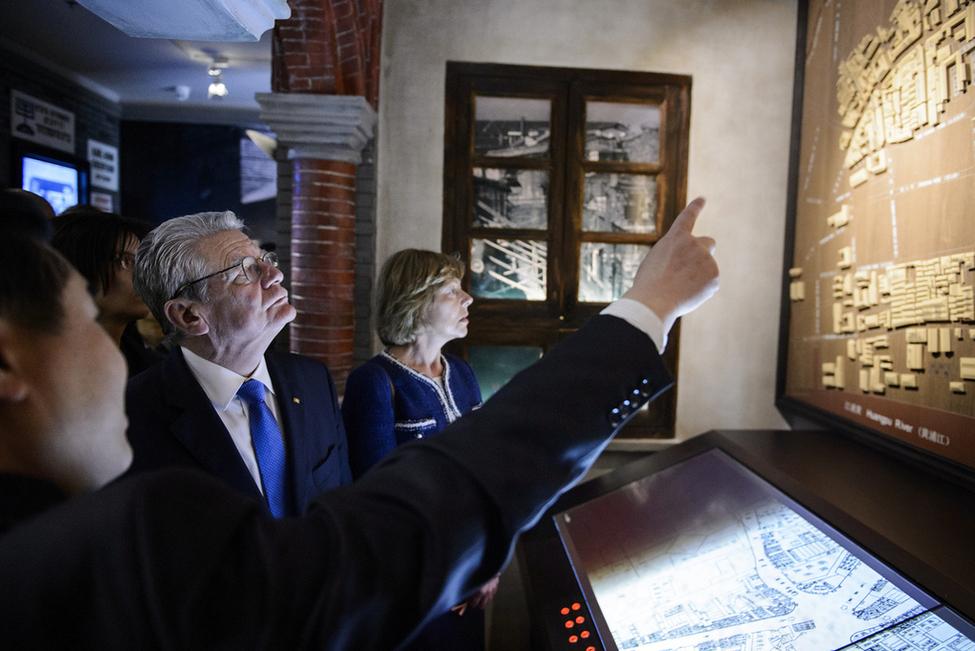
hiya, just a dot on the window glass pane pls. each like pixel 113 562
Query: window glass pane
pixel 619 203
pixel 607 270
pixel 505 198
pixel 258 172
pixel 495 365
pixel 512 126
pixel 622 132
pixel 508 269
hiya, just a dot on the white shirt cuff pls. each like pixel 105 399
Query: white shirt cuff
pixel 641 317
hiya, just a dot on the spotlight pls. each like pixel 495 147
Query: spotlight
pixel 217 87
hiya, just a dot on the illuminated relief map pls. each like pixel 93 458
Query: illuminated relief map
pixel 736 570
pixel 882 318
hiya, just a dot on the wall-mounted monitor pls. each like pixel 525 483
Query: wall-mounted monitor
pixel 878 318
pixel 61 179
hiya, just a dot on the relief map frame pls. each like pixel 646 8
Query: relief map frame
pixel 878 308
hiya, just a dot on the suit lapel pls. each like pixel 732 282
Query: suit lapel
pixel 199 428
pixel 292 423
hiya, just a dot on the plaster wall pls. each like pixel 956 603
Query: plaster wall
pixel 740 54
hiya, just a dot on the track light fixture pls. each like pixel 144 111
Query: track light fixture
pixel 217 87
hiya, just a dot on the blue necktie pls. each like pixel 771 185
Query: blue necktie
pixel 269 446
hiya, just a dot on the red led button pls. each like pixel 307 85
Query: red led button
pixel 584 634
pixel 570 624
pixel 565 611
pixel 573 639
pixel 590 648
pixel 576 606
pixel 580 619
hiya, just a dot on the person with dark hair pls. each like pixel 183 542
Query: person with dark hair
pixel 25 213
pixel 413 390
pixel 174 559
pixel 102 247
pixel 60 385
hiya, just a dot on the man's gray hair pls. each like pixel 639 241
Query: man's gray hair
pixel 169 257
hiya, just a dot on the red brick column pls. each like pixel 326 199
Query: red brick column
pixel 323 262
pixel 325 77
pixel 324 135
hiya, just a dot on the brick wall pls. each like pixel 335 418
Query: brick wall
pixel 329 47
pixel 365 247
pixel 323 262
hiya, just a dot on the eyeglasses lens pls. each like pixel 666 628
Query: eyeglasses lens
pixel 252 268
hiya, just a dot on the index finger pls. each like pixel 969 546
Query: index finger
pixel 688 216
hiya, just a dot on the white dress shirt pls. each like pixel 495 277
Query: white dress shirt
pixel 639 316
pixel 221 386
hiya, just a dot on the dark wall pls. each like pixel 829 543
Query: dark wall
pixel 96 117
pixel 171 169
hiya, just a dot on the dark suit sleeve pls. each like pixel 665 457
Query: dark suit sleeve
pixel 367 410
pixel 309 409
pixel 172 423
pixel 174 560
pixel 341 438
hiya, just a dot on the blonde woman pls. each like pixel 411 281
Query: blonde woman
pixel 412 390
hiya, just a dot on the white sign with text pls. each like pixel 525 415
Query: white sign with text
pixel 40 122
pixel 103 160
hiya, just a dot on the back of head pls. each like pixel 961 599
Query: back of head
pixel 32 282
pixel 405 290
pixel 169 257
pixel 90 239
pixel 25 213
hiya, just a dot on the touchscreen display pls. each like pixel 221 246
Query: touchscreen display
pixel 707 555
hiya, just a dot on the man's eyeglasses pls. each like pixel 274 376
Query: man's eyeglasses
pixel 250 270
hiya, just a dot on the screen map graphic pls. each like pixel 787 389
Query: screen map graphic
pixel 705 556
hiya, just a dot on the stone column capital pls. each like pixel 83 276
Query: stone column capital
pixel 321 127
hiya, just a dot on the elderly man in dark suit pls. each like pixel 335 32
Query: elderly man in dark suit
pixel 266 423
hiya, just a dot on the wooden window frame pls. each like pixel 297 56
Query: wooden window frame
pixel 515 322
